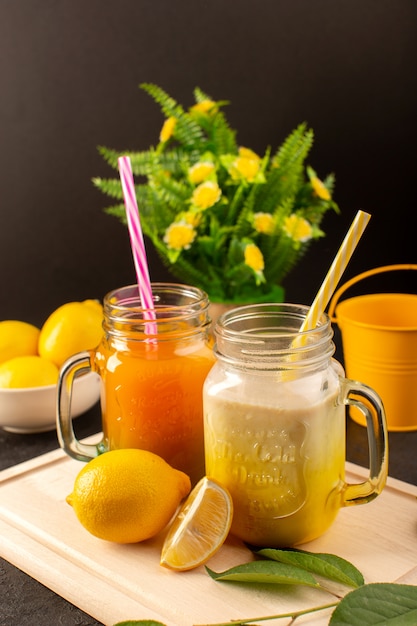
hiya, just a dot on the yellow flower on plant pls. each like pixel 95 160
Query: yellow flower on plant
pixel 264 223
pixel 206 195
pixel 246 165
pixel 319 188
pixel 200 171
pixel 254 258
pixel 205 106
pixel 167 129
pixel 179 236
pixel 298 228
pixel 191 217
pixel 245 168
pixel 247 153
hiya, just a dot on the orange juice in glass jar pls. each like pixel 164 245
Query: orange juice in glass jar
pixel 152 376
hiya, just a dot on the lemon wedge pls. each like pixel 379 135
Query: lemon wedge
pixel 200 527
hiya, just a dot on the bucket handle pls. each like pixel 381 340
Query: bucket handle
pixel 359 277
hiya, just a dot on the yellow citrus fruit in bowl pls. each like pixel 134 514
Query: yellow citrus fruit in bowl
pixel 71 328
pixel 32 409
pixel 200 528
pixel 127 496
pixel 17 339
pixel 27 372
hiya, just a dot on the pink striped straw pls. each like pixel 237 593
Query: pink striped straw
pixel 137 242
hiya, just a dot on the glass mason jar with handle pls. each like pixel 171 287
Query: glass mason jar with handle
pixel 152 375
pixel 274 425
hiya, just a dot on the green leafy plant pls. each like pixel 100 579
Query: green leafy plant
pixel 367 605
pixel 297 567
pixel 220 216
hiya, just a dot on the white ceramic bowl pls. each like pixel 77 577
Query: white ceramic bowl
pixel 33 410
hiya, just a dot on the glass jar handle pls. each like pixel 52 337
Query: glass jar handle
pixel 78 364
pixel 373 409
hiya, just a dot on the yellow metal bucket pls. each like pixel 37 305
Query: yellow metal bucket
pixel 379 341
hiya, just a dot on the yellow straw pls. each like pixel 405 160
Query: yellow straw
pixel 336 270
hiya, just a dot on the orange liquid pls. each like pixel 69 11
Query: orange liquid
pixel 152 399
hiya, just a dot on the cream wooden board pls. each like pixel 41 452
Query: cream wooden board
pixel 40 534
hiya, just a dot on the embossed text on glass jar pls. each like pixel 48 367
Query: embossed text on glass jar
pixel 274 425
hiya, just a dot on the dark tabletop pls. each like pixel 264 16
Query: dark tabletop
pixel 26 602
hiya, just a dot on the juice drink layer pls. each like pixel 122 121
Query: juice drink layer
pixel 152 399
pixel 283 462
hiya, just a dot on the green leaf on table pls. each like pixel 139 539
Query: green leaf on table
pixel 329 566
pixel 384 604
pixel 270 572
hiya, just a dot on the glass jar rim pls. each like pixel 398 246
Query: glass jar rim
pixel 127 299
pixel 267 335
pixel 179 311
pixel 234 322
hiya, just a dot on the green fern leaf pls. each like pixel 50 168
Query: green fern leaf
pixel 142 162
pixel 295 148
pixel 109 155
pixel 186 130
pixel 222 139
pixel 109 186
pixel 117 211
pixel 176 194
pixel 189 134
pixel 168 105
pixel 187 271
pixel 279 264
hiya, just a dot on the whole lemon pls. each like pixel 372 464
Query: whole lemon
pixel 17 339
pixel 27 371
pixel 127 495
pixel 71 328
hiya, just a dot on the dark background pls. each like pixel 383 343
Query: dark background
pixel 69 76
